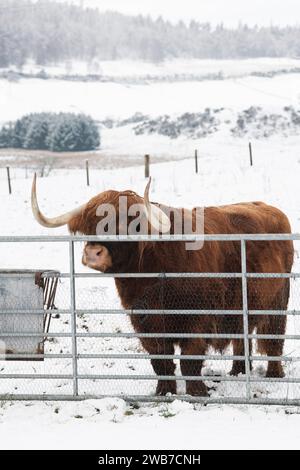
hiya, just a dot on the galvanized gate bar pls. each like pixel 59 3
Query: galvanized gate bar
pixel 154 335
pixel 185 335
pixel 155 312
pixel 245 316
pixel 158 399
pixel 188 275
pixel 202 378
pixel 152 238
pixel 291 275
pixel 73 317
pixel 147 356
pixel 152 356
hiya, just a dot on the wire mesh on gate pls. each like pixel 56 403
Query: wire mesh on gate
pixel 183 325
pixel 207 315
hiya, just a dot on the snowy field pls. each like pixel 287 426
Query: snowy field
pixel 239 90
pixel 102 100
pixel 222 179
pixel 224 176
pixel 168 68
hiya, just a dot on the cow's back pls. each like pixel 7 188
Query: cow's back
pixel 248 218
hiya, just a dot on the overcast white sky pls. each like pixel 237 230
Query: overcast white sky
pixel 230 12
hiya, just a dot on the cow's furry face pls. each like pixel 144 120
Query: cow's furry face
pixel 97 256
pixel 107 256
pixel 112 257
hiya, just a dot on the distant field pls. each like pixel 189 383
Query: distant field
pixel 133 68
pixel 239 90
pixel 40 158
pixel 245 84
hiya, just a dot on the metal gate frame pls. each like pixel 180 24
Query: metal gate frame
pixel 73 311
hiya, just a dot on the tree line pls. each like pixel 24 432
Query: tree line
pixel 50 33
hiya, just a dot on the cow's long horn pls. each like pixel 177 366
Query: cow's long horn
pixel 50 222
pixel 157 218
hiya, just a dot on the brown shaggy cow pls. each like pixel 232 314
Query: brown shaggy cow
pixel 196 293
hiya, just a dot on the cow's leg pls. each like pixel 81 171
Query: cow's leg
pixel 239 367
pixel 273 347
pixel 191 367
pixel 162 366
pixel 274 325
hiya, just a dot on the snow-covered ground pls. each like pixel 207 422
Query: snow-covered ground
pixel 111 424
pixel 224 176
pixel 102 100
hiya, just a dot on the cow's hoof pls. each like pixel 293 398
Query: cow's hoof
pixel 166 386
pixel 237 371
pixel 196 389
pixel 239 368
pixel 275 372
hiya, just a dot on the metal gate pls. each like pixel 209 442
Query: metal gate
pixel 92 351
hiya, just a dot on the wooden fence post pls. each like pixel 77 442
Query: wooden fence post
pixel 147 166
pixel 250 153
pixel 196 161
pixel 87 172
pixel 8 179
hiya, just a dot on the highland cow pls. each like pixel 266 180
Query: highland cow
pixel 196 293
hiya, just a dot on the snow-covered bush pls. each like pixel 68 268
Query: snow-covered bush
pixel 193 125
pixel 71 132
pixel 36 132
pixel 255 122
pixel 51 131
pixel 6 134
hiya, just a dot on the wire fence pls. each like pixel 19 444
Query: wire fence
pixel 176 339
